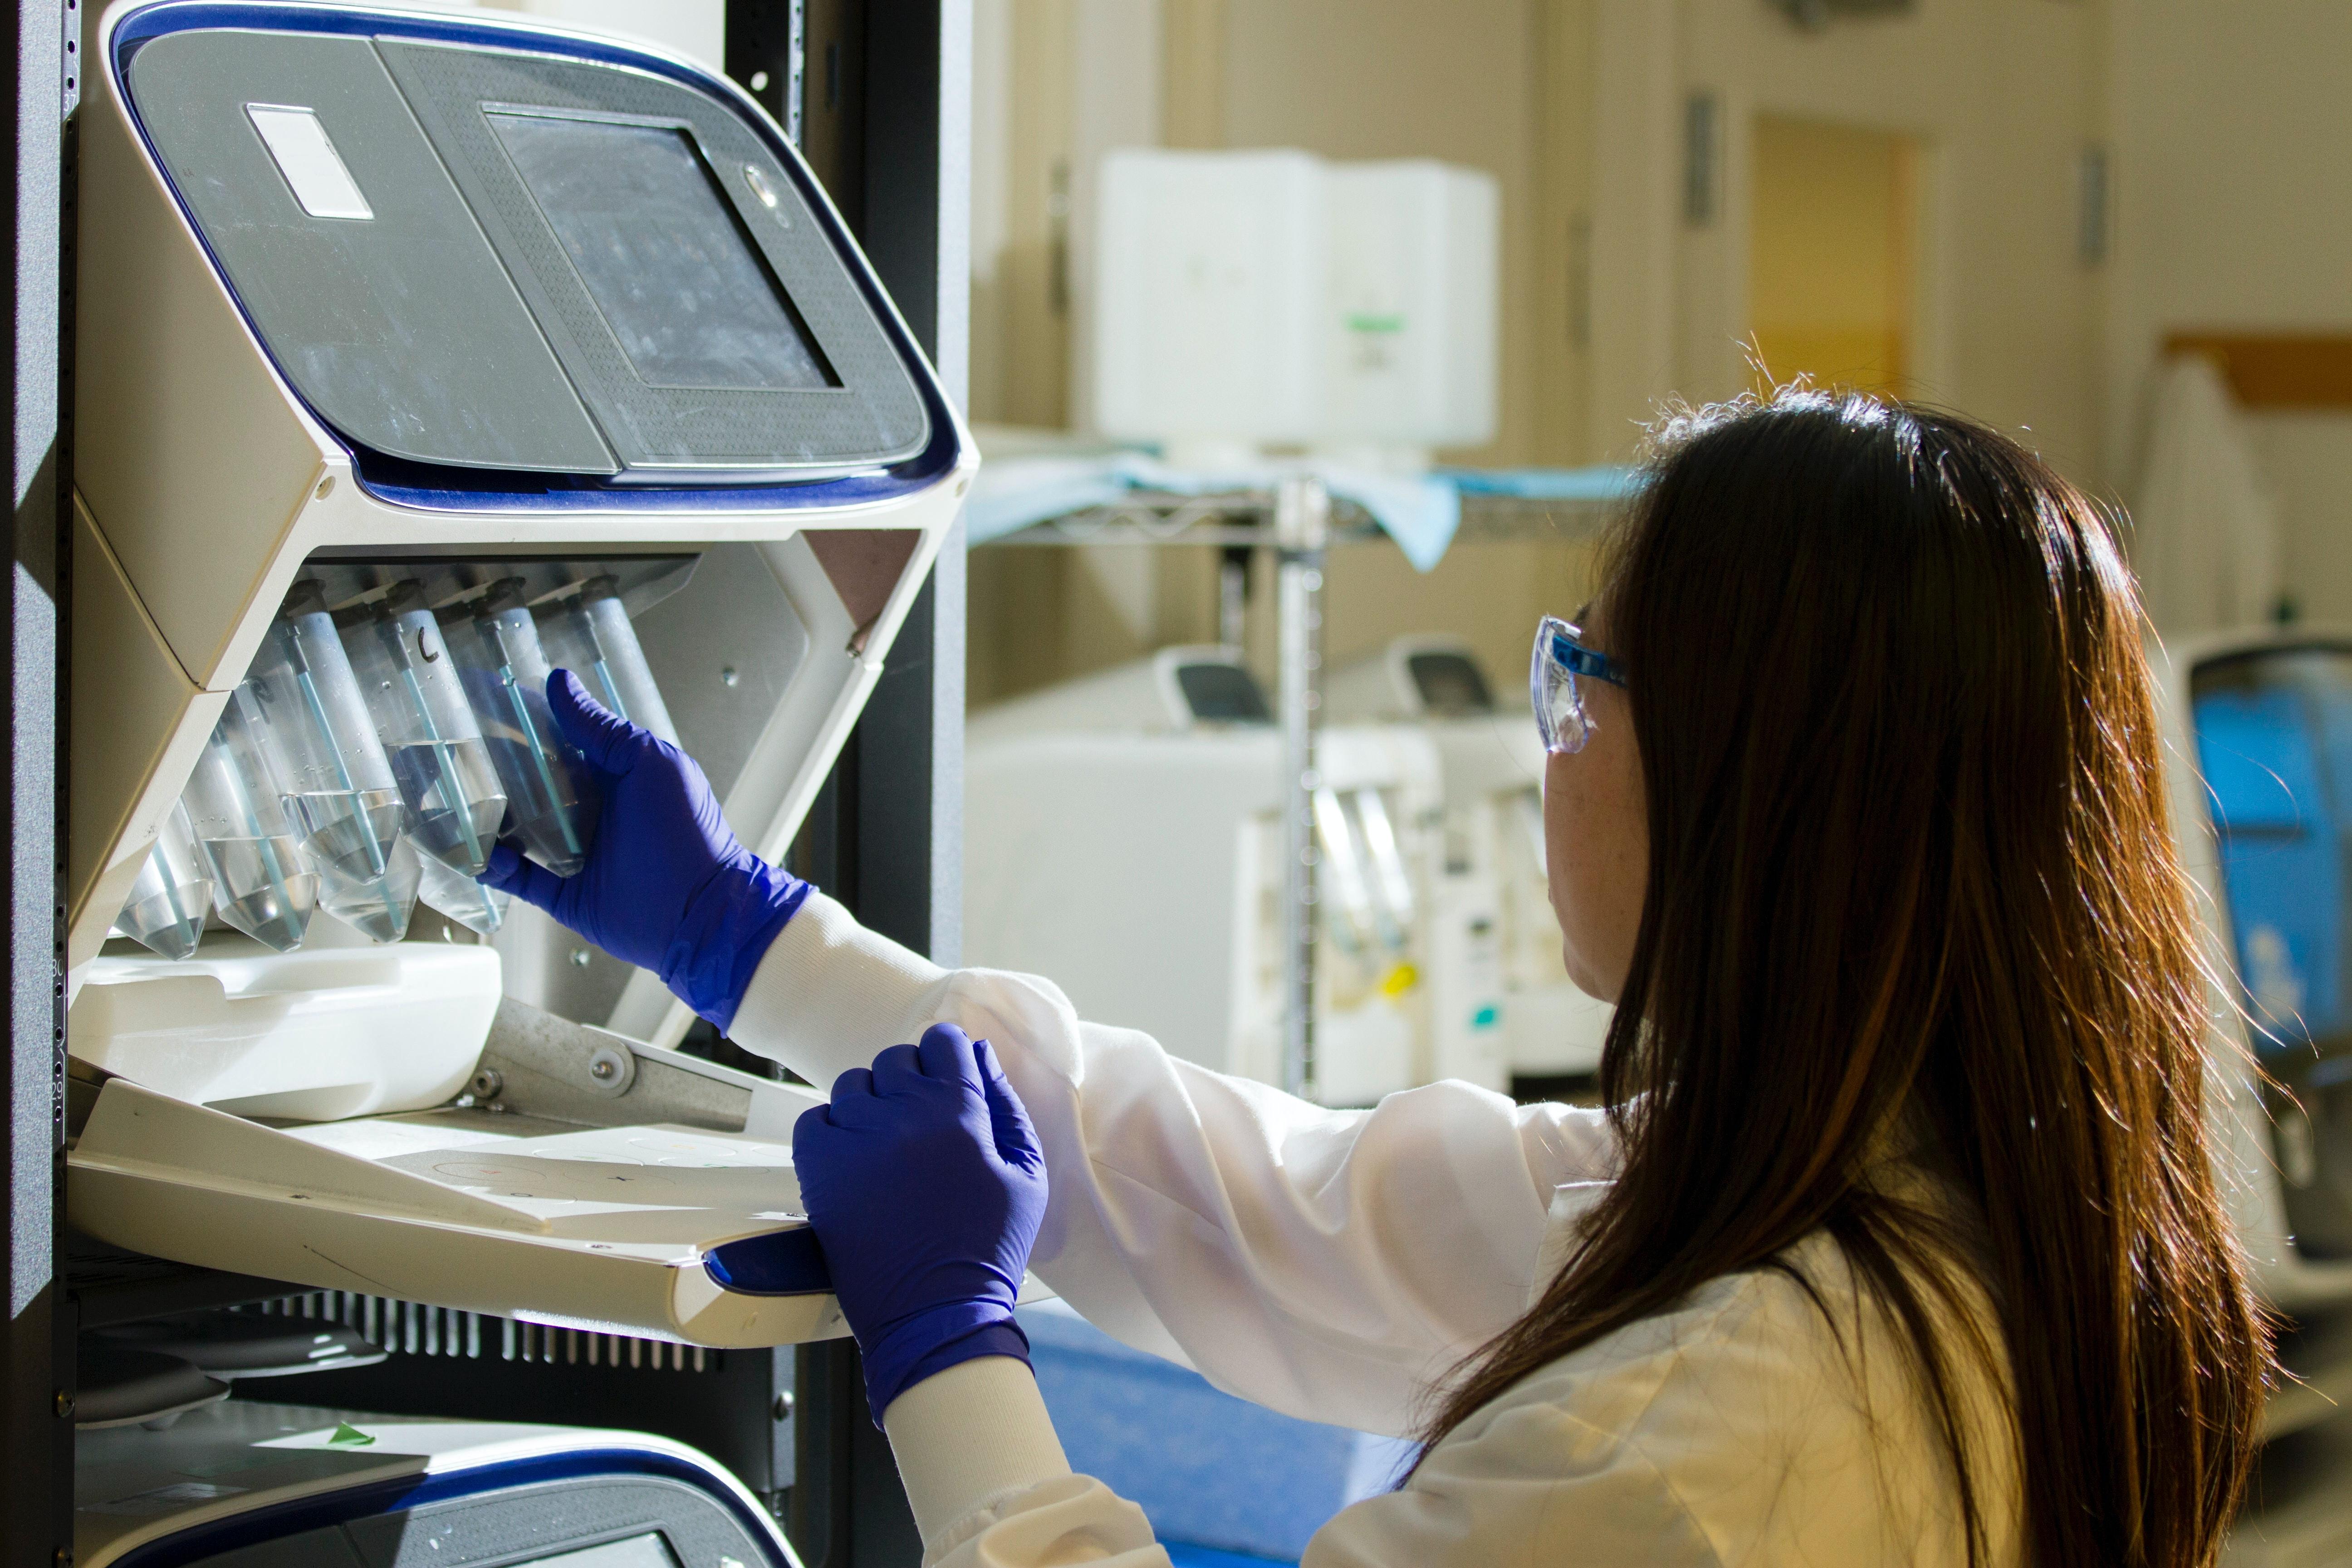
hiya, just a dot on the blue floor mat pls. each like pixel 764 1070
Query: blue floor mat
pixel 1248 1485
pixel 1210 1557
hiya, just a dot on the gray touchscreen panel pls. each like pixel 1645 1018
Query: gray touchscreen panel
pixel 662 254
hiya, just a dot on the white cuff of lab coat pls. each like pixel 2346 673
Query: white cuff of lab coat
pixel 970 1437
pixel 830 995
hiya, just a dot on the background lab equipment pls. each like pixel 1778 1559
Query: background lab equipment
pixel 1246 298
pixel 1124 842
pixel 253 1484
pixel 415 349
pixel 2265 820
pixel 1550 1033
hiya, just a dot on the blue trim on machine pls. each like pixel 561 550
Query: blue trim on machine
pixel 297 1515
pixel 781 1263
pixel 426 487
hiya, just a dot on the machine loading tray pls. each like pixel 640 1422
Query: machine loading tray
pixel 596 1184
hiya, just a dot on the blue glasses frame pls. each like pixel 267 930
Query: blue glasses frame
pixel 1559 659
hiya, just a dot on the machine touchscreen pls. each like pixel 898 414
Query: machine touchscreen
pixel 2274 740
pixel 2274 745
pixel 662 254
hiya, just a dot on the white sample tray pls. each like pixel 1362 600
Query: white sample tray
pixel 657 1229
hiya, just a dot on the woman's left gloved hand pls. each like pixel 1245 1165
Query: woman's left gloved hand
pixel 926 1185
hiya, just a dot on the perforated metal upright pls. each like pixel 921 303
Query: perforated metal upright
pixel 35 1434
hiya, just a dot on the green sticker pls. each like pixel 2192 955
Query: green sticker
pixel 349 1437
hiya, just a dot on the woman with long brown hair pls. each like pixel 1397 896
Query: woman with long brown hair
pixel 1897 1236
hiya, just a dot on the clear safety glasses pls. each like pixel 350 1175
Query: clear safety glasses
pixel 1559 659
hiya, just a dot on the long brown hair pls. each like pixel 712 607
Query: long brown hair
pixel 1910 877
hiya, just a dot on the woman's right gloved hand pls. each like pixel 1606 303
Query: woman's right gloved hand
pixel 667 885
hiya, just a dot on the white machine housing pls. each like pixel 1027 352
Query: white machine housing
pixel 1123 840
pixel 240 425
pixel 1413 317
pixel 1267 297
pixel 2279 1149
pixel 1208 308
pixel 1493 765
pixel 245 1484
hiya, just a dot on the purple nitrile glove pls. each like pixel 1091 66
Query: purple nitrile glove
pixel 666 885
pixel 926 1185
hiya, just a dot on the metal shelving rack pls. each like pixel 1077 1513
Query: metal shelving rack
pixel 1299 520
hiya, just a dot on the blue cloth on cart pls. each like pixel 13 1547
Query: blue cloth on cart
pixel 1420 511
pixel 1209 1470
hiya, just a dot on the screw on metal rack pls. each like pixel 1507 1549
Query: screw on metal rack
pixel 487 1083
pixel 610 1071
pixel 783 1410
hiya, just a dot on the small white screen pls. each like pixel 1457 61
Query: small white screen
pixel 298 146
pixel 646 1551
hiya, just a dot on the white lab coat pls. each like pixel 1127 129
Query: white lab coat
pixel 1335 1265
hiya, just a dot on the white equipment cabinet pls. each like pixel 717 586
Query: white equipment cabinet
pixel 1267 297
pixel 1124 841
pixel 369 299
pixel 1494 766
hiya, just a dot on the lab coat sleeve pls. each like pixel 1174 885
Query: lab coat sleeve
pixel 990 1488
pixel 1525 1480
pixel 1327 1264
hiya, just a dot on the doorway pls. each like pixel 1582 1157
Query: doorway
pixel 1833 254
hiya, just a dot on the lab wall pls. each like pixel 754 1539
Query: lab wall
pixel 1060 82
pixel 2233 148
pixel 1495 85
pixel 2084 177
pixel 2001 98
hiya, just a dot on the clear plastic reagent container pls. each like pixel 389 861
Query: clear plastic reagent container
pixel 469 903
pixel 440 763
pixel 550 813
pixel 338 784
pixel 590 635
pixel 261 883
pixel 167 908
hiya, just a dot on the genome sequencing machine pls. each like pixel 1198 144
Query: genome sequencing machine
pixel 1550 1034
pixel 1123 840
pixel 419 352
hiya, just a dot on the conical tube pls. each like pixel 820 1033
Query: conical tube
pixel 262 884
pixel 440 763
pixel 590 635
pixel 462 899
pixel 378 908
pixel 339 786
pixel 550 813
pixel 168 903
